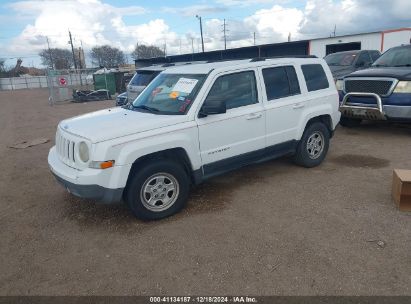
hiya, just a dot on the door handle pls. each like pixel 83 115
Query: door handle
pixel 298 105
pixel 254 116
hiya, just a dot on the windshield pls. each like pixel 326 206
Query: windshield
pixel 143 78
pixel 343 59
pixel 395 57
pixel 170 94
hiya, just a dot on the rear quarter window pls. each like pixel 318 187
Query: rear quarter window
pixel 315 77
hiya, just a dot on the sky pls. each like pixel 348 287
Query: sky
pixel 26 25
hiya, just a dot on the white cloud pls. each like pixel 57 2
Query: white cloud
pixel 95 23
pixel 244 3
pixel 190 11
pixel 91 23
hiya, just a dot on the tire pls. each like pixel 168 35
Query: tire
pixel 313 146
pixel 350 122
pixel 157 178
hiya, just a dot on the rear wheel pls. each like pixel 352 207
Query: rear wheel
pixel 157 190
pixel 350 122
pixel 313 146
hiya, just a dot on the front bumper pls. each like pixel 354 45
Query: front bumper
pixel 83 184
pixel 374 107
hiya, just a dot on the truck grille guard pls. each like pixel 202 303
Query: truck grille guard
pixel 364 112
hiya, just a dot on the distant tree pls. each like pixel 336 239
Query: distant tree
pixel 60 58
pixel 107 56
pixel 142 51
pixel 2 68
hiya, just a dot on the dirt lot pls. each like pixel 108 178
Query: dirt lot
pixel 271 229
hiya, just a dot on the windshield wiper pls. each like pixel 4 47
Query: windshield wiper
pixel 402 65
pixel 379 65
pixel 144 107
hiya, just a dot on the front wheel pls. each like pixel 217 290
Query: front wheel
pixel 313 146
pixel 157 190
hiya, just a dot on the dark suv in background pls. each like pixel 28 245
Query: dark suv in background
pixel 382 92
pixel 344 63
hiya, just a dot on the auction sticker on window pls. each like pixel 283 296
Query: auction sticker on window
pixel 185 85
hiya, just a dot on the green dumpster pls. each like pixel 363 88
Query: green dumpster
pixel 105 81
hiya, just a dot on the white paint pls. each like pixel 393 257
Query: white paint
pixel 369 41
pixel 392 39
pixel 205 139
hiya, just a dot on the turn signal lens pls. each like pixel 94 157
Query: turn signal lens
pixel 102 164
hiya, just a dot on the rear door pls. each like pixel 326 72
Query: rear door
pixel 284 105
pixel 229 140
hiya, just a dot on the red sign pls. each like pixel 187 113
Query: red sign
pixel 62 81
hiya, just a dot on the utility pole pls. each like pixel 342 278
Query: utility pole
pixel 254 38
pixel 192 44
pixel 335 29
pixel 50 55
pixel 72 50
pixel 201 31
pixel 225 35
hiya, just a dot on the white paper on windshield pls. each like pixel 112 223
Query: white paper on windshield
pixel 185 85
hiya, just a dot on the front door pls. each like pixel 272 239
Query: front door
pixel 232 139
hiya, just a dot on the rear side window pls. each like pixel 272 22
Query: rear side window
pixel 143 78
pixel 375 55
pixel 315 77
pixel 237 90
pixel 363 60
pixel 280 82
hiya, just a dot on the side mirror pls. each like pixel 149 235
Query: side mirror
pixel 211 107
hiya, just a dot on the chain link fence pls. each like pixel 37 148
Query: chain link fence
pixel 62 83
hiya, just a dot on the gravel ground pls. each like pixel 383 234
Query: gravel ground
pixel 269 229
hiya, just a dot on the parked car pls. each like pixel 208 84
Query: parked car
pixel 121 99
pixel 144 76
pixel 141 79
pixel 344 63
pixel 195 122
pixel 382 92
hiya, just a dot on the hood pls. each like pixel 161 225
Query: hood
pixel 401 73
pixel 116 122
pixel 339 71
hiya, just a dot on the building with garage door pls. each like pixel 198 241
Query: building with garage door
pixel 380 41
pixel 320 47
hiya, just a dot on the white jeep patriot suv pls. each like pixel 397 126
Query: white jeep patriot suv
pixel 194 122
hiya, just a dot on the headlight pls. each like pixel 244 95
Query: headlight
pixel 403 87
pixel 83 152
pixel 339 84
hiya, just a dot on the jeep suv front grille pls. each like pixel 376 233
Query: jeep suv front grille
pixel 65 149
pixel 377 86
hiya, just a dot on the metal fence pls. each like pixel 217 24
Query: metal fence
pixel 61 83
pixel 18 83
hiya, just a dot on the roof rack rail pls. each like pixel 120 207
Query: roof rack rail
pixel 168 65
pixel 277 57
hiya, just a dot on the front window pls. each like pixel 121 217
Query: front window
pixel 169 94
pixel 341 59
pixel 395 57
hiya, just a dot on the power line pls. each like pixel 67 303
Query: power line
pixel 225 34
